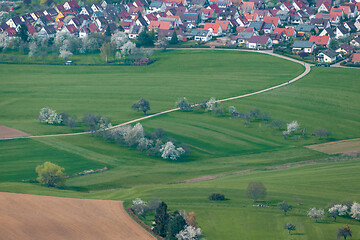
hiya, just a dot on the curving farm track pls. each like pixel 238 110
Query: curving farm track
pixel 307 70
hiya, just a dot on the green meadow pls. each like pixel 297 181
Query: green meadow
pixel 220 145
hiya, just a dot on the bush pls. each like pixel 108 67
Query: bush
pixel 217 197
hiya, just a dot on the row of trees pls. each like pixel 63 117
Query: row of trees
pixel 254 115
pixel 92 121
pixel 154 143
pixel 111 47
pixel 178 225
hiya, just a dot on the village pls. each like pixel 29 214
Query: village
pixel 324 31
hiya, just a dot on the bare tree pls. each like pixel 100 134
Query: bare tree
pixel 256 190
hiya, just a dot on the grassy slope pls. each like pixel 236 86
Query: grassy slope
pixel 311 101
pixel 110 90
pixel 315 185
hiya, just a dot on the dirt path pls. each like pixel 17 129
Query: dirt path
pixel 307 70
pixel 28 217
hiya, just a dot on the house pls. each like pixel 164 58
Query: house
pixel 341 32
pixel 96 7
pixel 51 12
pixel 225 26
pixel 250 17
pixel 86 11
pixel 71 5
pixel 286 32
pixel 247 7
pixel 86 30
pixel 169 33
pixel 327 56
pixel 324 7
pixel 259 42
pixel 305 29
pixel 345 49
pixel 320 23
pixel 257 25
pixel 320 41
pixel 273 20
pixel 164 25
pixel 191 18
pixel 298 5
pixel 70 29
pixel 328 32
pixel 48 31
pixel 286 6
pixel 242 38
pixel 305 46
pixel 355 58
pixel 355 42
pixel 135 30
pixel 27 18
pixel 200 35
pixel 11 32
pixel 3 27
pixel 156 6
pixel 214 28
pixel 268 28
pixel 350 26
pixel 14 22
pixel 276 38
pixel 101 22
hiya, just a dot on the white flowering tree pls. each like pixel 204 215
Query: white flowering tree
pixel 355 211
pixel 133 137
pixel 210 104
pixel 49 116
pixel 189 233
pixel 4 40
pixel 232 110
pixel 169 151
pixel 292 127
pixel 316 213
pixel 65 54
pixel 119 39
pixel 144 144
pixel 139 206
pixel 128 48
pixel 338 210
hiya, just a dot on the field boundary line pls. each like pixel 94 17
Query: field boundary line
pixel 307 70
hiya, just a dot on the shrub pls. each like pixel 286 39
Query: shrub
pixel 217 197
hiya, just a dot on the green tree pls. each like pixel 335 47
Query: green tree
pixel 51 174
pixel 141 105
pixel 176 224
pixel 183 104
pixel 256 190
pixel 161 220
pixel 174 38
pixel 146 39
pixel 23 33
pixel 108 31
pixel 290 227
pixel 344 232
pixel 285 207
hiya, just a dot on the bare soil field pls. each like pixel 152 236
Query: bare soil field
pixel 41 217
pixel 7 132
pixel 344 146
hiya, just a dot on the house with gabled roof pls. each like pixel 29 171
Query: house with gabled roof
pixel 259 42
pixel 257 25
pixel 320 23
pixel 51 12
pixel 225 25
pixel 35 15
pixel 320 41
pixel 165 25
pixel 156 6
pixel 286 32
pixel 327 56
pixel 242 38
pixel 251 17
pixel 341 32
pixel 86 30
pixel 86 11
pixel 199 35
pixel 298 5
pixel 345 49
pixel 214 28
pixel 3 27
pixel 286 6
pixel 273 20
pixel 48 31
pixel 72 4
pixel 14 22
pixel 305 46
pixel 324 7
pixel 355 58
pixel 11 32
pixel 247 7
pixel 135 30
pixel 355 42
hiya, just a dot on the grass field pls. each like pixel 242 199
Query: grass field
pixel 219 145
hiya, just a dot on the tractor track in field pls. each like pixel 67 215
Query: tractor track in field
pixel 307 70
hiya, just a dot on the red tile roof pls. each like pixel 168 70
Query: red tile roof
pixel 214 26
pixel 356 58
pixel 289 32
pixel 320 40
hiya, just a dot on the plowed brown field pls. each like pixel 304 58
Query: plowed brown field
pixel 41 217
